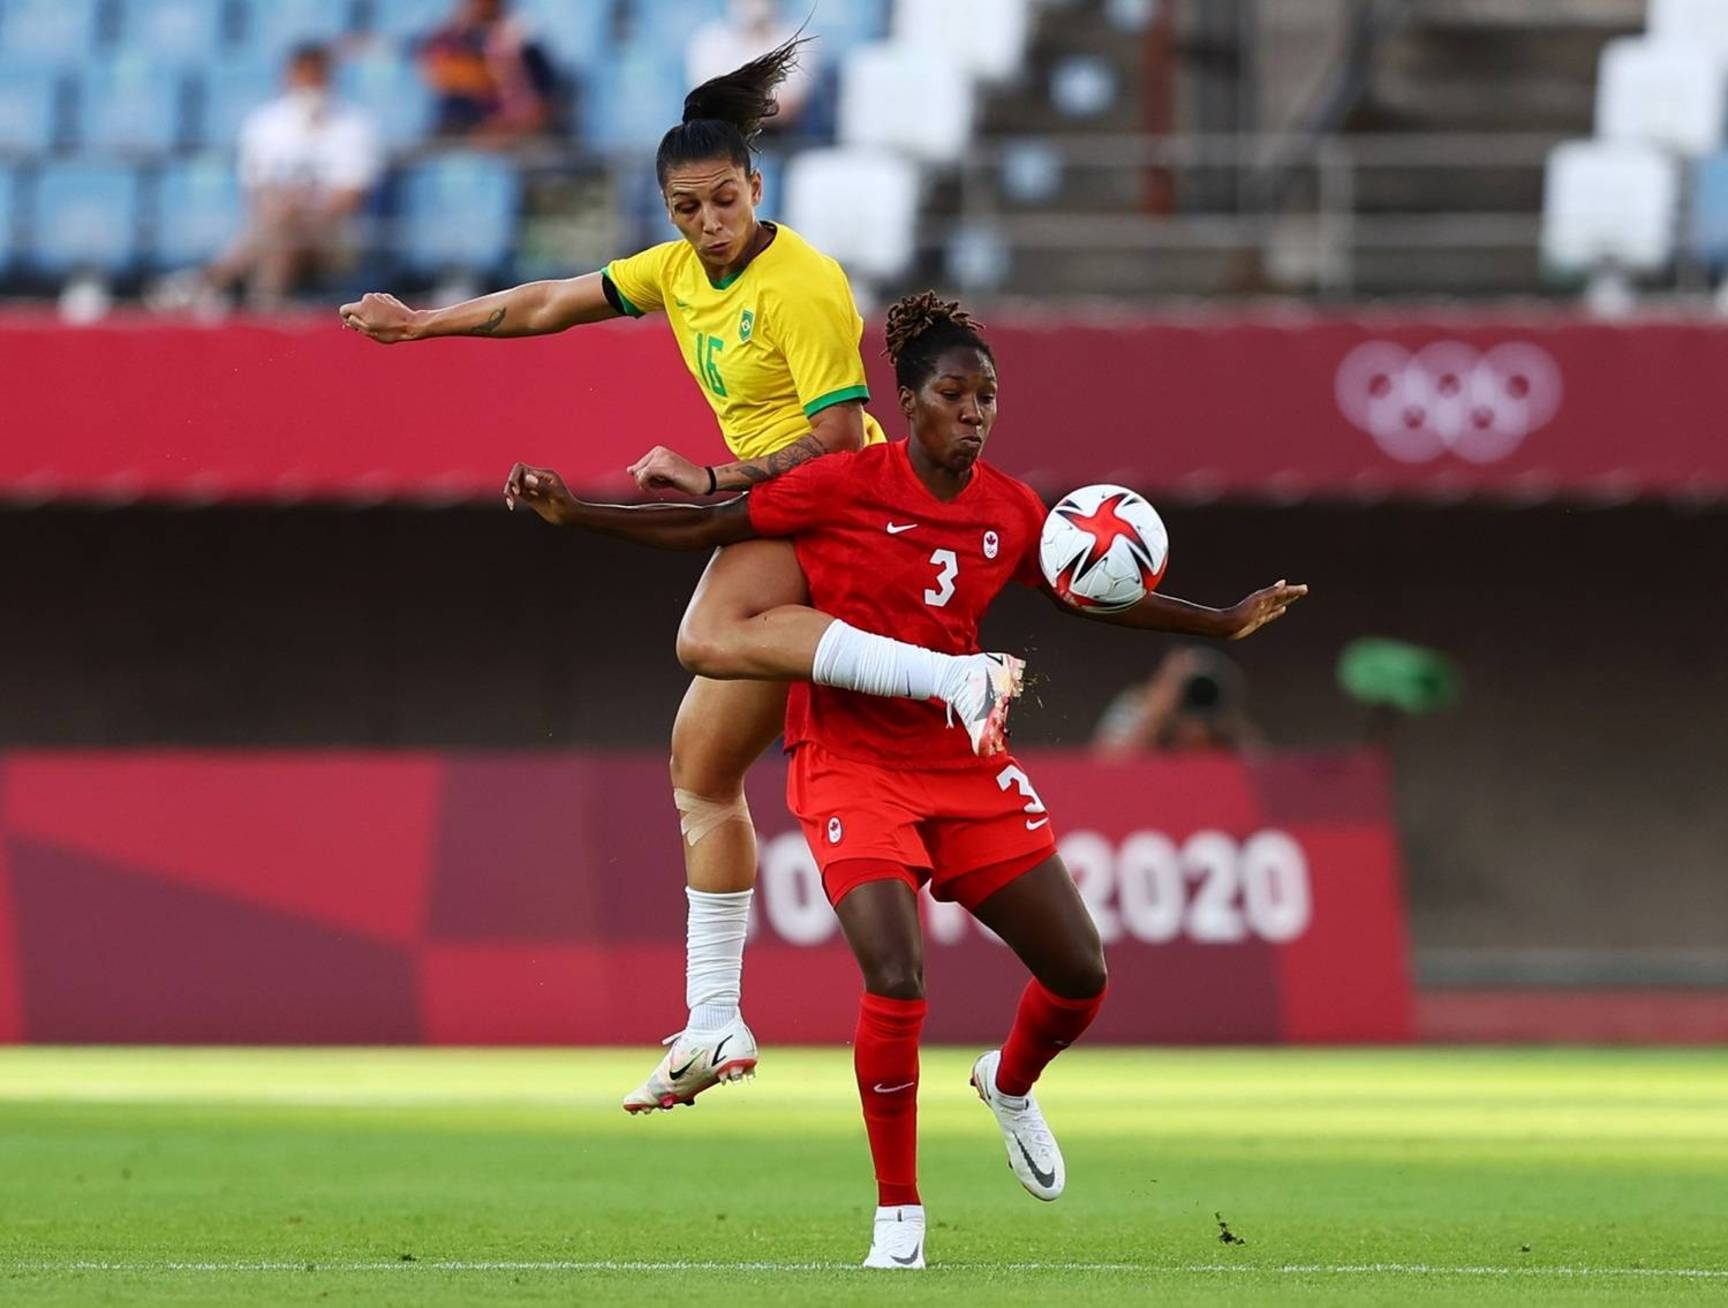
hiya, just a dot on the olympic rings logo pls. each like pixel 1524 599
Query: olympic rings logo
pixel 1448 396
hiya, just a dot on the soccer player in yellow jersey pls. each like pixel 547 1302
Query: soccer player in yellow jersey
pixel 769 330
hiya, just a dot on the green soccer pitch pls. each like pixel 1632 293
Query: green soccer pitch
pixel 476 1177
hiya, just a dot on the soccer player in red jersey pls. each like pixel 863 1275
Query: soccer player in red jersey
pixel 915 537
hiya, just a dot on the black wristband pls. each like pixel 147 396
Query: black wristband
pixel 713 481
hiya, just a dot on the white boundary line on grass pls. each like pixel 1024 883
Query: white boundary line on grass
pixel 626 1265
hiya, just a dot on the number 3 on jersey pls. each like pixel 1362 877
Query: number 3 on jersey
pixel 948 567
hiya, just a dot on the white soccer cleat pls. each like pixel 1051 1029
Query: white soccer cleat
pixel 897 1243
pixel 992 683
pixel 696 1061
pixel 1033 1153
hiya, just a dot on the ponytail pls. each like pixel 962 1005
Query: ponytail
pixel 724 116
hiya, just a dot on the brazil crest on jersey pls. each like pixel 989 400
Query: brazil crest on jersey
pixel 770 347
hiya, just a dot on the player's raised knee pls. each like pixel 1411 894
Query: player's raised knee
pixel 700 653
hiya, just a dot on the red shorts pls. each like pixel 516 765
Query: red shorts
pixel 968 831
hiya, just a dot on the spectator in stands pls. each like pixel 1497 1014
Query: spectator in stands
pixel 1193 700
pixel 750 29
pixel 494 84
pixel 307 164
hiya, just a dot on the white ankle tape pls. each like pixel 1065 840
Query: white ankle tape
pixel 698 816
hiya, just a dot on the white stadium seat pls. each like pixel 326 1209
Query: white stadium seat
pixel 858 205
pixel 1670 95
pixel 988 37
pixel 1609 204
pixel 906 98
pixel 1702 23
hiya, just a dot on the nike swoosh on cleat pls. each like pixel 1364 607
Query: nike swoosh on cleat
pixel 678 1072
pixel 881 1089
pixel 1033 826
pixel 907 1262
pixel 1045 1179
pixel 717 1049
pixel 895 528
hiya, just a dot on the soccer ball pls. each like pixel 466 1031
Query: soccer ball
pixel 1103 548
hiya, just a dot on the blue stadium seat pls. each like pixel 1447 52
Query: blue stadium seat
pixel 840 26
pixel 1707 231
pixel 199 210
pixel 29 108
pixel 8 216
pixel 655 19
pixel 185 31
pixel 230 91
pixel 60 31
pixel 406 21
pixel 272 27
pixel 84 217
pixel 635 97
pixel 577 36
pixel 389 87
pixel 458 212
pixel 130 103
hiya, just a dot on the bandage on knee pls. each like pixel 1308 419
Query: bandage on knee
pixel 699 816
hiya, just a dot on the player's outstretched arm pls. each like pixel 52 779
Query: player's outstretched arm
pixel 835 429
pixel 1167 613
pixel 532 309
pixel 660 526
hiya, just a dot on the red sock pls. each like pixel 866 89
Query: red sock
pixel 885 1056
pixel 1044 1026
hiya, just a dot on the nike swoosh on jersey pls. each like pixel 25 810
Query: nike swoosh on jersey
pixel 895 528
pixel 890 1089
pixel 1033 826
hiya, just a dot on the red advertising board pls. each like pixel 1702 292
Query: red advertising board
pixel 537 899
pixel 1286 406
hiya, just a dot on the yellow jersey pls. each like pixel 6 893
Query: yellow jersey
pixel 770 347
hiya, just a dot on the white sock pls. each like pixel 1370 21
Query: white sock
pixel 714 956
pixel 879 665
pixel 902 1213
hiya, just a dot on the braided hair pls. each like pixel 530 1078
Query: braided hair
pixel 920 327
pixel 724 116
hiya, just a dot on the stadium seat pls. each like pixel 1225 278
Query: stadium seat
pixel 405 21
pixel 84 218
pixel 60 31
pixel 656 19
pixel 130 103
pixel 458 213
pixel 29 109
pixel 577 36
pixel 858 205
pixel 184 31
pixel 635 97
pixel 199 208
pixel 229 91
pixel 840 27
pixel 389 87
pixel 272 27
pixel 8 216
pixel 1700 23
pixel 987 36
pixel 1609 203
pixel 1669 95
pixel 1707 231
pixel 898 97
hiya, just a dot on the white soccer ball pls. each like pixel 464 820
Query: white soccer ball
pixel 1103 548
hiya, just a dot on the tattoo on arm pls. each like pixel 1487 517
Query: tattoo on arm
pixel 491 324
pixel 756 471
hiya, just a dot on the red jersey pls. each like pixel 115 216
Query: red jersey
pixel 884 554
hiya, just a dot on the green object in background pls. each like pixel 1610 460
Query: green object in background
pixel 1398 675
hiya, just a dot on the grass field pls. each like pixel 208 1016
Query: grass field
pixel 463 1177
